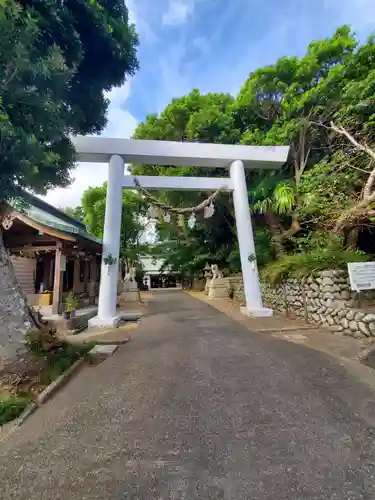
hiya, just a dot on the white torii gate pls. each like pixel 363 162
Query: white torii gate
pixel 117 152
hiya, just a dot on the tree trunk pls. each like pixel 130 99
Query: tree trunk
pixel 294 227
pixel 276 232
pixel 15 319
pixel 352 238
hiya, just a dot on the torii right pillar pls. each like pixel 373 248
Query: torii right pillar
pixel 253 297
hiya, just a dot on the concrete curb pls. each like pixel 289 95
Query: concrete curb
pixel 29 410
pixel 60 381
pixel 44 396
pixel 113 342
pixel 48 392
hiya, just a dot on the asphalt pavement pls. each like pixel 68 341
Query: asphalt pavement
pixel 198 407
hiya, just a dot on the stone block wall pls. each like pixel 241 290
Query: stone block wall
pixel 325 299
pixel 237 287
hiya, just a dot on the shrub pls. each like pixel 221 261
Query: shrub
pixel 11 407
pixel 60 359
pixel 39 342
pixel 71 302
pixel 309 263
pixel 57 356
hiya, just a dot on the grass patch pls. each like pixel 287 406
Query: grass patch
pixel 58 360
pixel 12 405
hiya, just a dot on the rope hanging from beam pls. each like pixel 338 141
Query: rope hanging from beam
pixel 179 211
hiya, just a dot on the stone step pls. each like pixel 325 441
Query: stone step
pixel 103 351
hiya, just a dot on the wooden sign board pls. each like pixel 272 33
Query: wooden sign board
pixel 361 275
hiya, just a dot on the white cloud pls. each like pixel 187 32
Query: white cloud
pixel 86 175
pixel 120 122
pixel 202 44
pixel 360 14
pixel 178 12
pixel 137 17
pixel 174 81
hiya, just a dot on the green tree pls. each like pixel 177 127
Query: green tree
pixel 133 221
pixel 57 59
pixel 76 213
pixel 278 104
pixel 203 118
pixel 337 193
pixel 352 132
pixel 195 118
pixel 322 105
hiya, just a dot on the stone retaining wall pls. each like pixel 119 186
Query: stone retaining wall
pixel 325 299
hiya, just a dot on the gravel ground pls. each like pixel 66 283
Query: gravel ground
pixel 196 406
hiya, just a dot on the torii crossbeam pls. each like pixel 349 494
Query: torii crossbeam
pixel 117 152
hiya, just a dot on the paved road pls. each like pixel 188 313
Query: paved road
pixel 196 406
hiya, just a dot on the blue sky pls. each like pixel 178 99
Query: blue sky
pixel 212 45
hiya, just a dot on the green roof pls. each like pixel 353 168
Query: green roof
pixel 48 215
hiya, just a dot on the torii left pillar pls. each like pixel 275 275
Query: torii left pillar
pixel 111 245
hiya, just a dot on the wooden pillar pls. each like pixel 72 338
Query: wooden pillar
pixel 76 275
pixel 47 261
pixel 48 272
pixel 93 276
pixel 58 283
pixel 86 275
pixel 51 272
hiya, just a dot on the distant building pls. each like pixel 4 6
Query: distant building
pixel 155 278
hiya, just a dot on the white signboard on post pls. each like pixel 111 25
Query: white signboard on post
pixel 361 275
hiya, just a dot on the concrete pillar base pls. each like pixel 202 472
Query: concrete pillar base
pixel 97 322
pixel 263 312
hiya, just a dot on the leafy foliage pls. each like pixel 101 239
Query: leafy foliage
pixel 133 220
pixel 72 302
pixel 329 255
pixel 76 213
pixel 326 187
pixel 56 60
pixel 54 355
pixel 11 407
pixel 272 193
pixel 61 359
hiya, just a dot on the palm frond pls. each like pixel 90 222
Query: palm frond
pixel 284 198
pixel 261 206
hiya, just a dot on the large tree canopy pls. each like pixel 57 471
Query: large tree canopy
pixel 57 59
pixel 323 106
pixel 201 118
